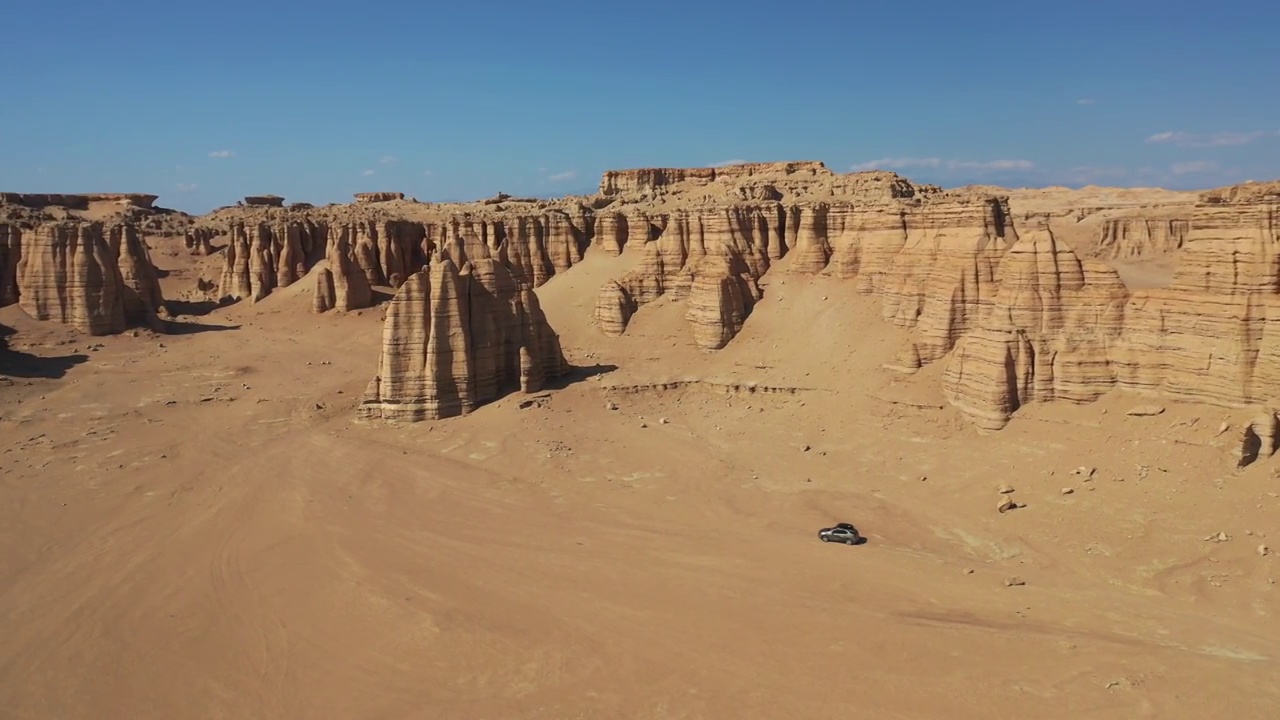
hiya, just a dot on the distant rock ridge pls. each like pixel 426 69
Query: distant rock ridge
pixel 269 253
pixel 78 201
pixel 378 197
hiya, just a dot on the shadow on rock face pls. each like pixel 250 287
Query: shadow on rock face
pixel 18 364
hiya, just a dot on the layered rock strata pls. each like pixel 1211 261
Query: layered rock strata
pixel 263 256
pixel 199 240
pixel 68 274
pixel 343 285
pixel 457 337
pixel 267 254
pixel 932 261
pixel 1060 328
pixel 1046 335
pixel 10 255
pixel 378 197
pixel 140 282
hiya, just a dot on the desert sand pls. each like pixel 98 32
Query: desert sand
pixel 201 523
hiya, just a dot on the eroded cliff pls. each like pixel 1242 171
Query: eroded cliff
pixel 457 337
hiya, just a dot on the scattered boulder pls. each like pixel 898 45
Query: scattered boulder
pixel 1005 504
pixel 1145 411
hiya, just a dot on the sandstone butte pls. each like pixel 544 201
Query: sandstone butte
pixel 1024 295
pixel 95 278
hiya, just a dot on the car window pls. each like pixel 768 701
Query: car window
pixel 840 531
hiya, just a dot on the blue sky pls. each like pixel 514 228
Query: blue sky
pixel 203 103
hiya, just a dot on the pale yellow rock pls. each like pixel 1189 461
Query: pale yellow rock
pixel 68 274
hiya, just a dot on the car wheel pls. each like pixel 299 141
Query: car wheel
pixel 824 538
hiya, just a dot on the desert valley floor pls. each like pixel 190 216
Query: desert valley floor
pixel 198 525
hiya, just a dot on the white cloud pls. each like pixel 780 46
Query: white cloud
pixel 897 164
pixel 386 159
pixel 1191 168
pixel 1086 101
pixel 727 163
pixel 1220 139
pixel 186 187
pixel 366 173
pixel 904 163
pixel 1091 175
pixel 222 154
pixel 991 165
pixel 561 177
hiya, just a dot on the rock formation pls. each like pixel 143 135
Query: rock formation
pixel 649 180
pixel 456 338
pixel 78 201
pixel 263 256
pixel 10 255
pixel 719 301
pixel 68 274
pixel 1045 336
pixel 199 240
pixel 97 279
pixel 1122 239
pixel 1059 328
pixel 264 201
pixel 343 285
pixel 378 197
pixel 140 282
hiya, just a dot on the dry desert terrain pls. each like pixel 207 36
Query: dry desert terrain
pixel 199 522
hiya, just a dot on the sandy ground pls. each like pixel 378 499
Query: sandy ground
pixel 196 526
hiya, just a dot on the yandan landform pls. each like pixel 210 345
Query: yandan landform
pixel 533 458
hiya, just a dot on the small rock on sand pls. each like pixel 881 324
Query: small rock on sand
pixel 1005 489
pixel 1145 411
pixel 1005 505
pixel 1067 491
pixel 1014 581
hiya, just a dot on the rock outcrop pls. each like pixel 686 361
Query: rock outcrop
pixel 68 274
pixel 139 280
pixel 343 284
pixel 1046 335
pixel 1128 238
pixel 458 337
pixel 78 201
pixel 263 256
pixel 1213 335
pixel 933 259
pixel 10 255
pixel 651 180
pixel 199 240
pixel 719 302
pixel 1062 329
pixel 264 201
pixel 378 197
